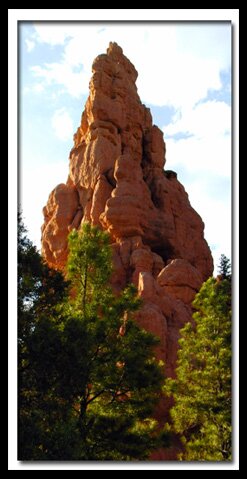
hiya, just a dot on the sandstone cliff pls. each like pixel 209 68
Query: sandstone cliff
pixel 117 180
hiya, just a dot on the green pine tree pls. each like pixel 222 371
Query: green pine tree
pixel 95 375
pixel 225 267
pixel 39 290
pixel 201 414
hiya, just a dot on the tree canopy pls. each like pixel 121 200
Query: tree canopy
pixel 89 379
pixel 224 267
pixel 201 414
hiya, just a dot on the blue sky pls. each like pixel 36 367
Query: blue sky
pixel 184 78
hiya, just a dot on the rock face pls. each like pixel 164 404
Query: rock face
pixel 117 180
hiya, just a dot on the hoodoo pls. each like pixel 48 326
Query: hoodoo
pixel 117 180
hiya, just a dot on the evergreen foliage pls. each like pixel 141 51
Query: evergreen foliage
pixel 225 267
pixel 89 379
pixel 201 414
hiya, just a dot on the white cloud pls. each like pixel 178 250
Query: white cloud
pixel 51 33
pixel 29 44
pixel 209 147
pixel 209 119
pixel 216 215
pixel 35 187
pixel 62 124
pixel 177 64
pixel 200 155
pixel 26 90
pixel 205 157
pixel 38 88
pixel 74 83
pixel 171 76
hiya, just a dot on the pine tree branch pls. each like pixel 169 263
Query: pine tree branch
pixel 96 395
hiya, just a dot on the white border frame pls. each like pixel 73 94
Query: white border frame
pixel 14 16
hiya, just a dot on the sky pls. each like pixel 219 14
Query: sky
pixel 184 78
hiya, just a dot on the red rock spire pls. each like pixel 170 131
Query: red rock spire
pixel 117 180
